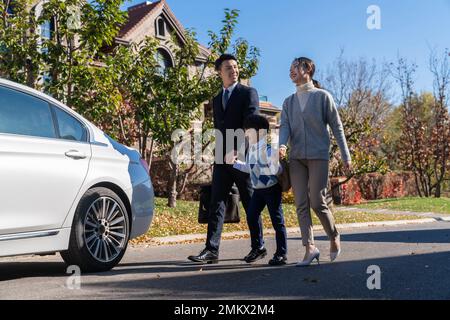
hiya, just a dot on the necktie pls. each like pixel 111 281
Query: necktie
pixel 226 96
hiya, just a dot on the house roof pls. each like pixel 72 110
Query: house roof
pixel 135 15
pixel 138 13
pixel 268 107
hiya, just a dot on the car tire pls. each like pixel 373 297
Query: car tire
pixel 100 232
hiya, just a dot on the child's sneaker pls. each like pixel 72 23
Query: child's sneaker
pixel 278 260
pixel 255 254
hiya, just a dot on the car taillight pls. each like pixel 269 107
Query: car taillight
pixel 145 165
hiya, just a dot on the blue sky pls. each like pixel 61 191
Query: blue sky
pixel 318 29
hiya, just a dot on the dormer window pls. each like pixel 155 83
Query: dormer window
pixel 160 28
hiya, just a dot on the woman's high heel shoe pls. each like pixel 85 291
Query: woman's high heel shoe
pixel 335 254
pixel 311 257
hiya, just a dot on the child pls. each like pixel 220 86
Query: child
pixel 263 167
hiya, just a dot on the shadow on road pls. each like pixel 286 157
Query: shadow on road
pixel 19 270
pixel 407 236
pixel 410 276
pixel 181 266
pixel 424 276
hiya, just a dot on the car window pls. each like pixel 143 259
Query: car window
pixel 69 127
pixel 23 114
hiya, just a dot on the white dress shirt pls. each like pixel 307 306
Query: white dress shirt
pixel 230 91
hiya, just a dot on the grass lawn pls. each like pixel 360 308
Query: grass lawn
pixel 183 219
pixel 438 205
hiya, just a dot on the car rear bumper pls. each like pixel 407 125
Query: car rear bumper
pixel 142 207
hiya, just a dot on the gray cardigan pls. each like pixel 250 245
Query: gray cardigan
pixel 307 131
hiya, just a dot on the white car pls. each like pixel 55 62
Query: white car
pixel 65 186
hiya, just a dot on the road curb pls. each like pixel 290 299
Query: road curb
pixel 189 238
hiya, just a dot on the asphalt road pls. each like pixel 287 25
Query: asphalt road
pixel 414 261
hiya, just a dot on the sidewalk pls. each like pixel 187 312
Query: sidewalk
pixel 429 217
pixel 390 211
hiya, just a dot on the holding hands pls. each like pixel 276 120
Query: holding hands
pixel 283 152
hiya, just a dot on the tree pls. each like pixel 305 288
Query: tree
pixel 423 146
pixel 361 92
pixel 20 59
pixel 72 54
pixel 360 86
pixel 98 97
pixel 390 139
pixel 67 62
pixel 411 147
pixel 135 67
pixel 246 55
pixel 440 135
pixel 178 95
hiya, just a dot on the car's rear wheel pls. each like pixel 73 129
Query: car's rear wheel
pixel 100 231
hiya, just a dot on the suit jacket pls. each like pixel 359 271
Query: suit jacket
pixel 243 102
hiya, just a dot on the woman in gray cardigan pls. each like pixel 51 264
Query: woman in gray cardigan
pixel 305 119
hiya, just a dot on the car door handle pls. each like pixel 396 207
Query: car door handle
pixel 75 154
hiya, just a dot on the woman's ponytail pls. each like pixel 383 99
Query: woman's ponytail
pixel 316 84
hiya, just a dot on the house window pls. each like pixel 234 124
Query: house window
pixel 160 27
pixel 164 60
pixel 46 30
pixel 199 66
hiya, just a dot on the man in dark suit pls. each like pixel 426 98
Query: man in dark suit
pixel 231 107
